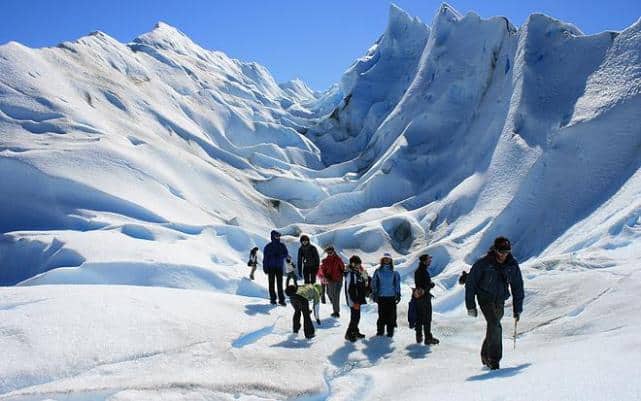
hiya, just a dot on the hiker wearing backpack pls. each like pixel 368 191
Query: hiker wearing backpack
pixel 386 292
pixel 253 261
pixel 332 269
pixel 308 260
pixel 488 281
pixel 300 298
pixel 423 298
pixel 274 256
pixel 356 282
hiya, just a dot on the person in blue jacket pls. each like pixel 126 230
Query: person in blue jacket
pixel 488 281
pixel 386 292
pixel 274 256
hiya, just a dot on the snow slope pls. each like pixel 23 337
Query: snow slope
pixel 134 170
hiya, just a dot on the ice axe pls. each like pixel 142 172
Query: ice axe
pixel 516 321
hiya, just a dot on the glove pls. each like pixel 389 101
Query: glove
pixel 318 322
pixel 517 316
pixel 472 312
pixel 398 299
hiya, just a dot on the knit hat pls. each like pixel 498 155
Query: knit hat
pixel 304 238
pixel 502 244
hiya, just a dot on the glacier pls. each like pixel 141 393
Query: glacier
pixel 137 177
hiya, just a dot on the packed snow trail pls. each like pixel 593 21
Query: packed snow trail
pixel 123 343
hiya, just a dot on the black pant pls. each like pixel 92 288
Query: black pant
pixel 386 315
pixel 354 318
pixel 301 306
pixel 492 349
pixel 424 316
pixel 309 274
pixel 276 276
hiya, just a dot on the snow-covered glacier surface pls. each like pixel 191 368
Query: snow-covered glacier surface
pixel 136 177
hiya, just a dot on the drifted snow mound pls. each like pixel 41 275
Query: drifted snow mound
pixel 161 163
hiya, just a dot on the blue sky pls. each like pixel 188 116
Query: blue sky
pixel 313 40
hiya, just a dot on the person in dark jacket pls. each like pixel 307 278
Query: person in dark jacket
pixel 274 256
pixel 488 281
pixel 356 282
pixel 253 261
pixel 308 261
pixel 301 306
pixel 386 292
pixel 423 283
pixel 332 270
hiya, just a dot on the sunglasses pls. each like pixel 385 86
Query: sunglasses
pixel 504 251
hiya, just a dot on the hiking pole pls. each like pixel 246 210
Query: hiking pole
pixel 514 335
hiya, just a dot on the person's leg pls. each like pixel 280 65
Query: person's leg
pixel 392 323
pixel 336 296
pixel 271 277
pixel 323 292
pixel 429 338
pixel 308 326
pixel 313 274
pixel 279 284
pixel 251 275
pixel 296 319
pixel 352 328
pixel 491 352
pixel 419 304
pixel 331 294
pixel 307 275
pixel 499 311
pixel 380 323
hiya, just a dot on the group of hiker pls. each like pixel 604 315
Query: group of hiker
pixel 487 283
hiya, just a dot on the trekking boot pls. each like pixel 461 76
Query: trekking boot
pixel 419 338
pixel 360 335
pixel 390 332
pixel 493 365
pixel 282 303
pixel 484 361
pixel 351 337
pixel 273 302
pixel 431 341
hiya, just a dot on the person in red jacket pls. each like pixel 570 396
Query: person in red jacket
pixel 331 271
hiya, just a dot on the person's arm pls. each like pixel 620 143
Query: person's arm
pixel 518 294
pixel 299 262
pixel 266 257
pixel 417 278
pixel 470 286
pixel 375 285
pixel 316 261
pixel 397 285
